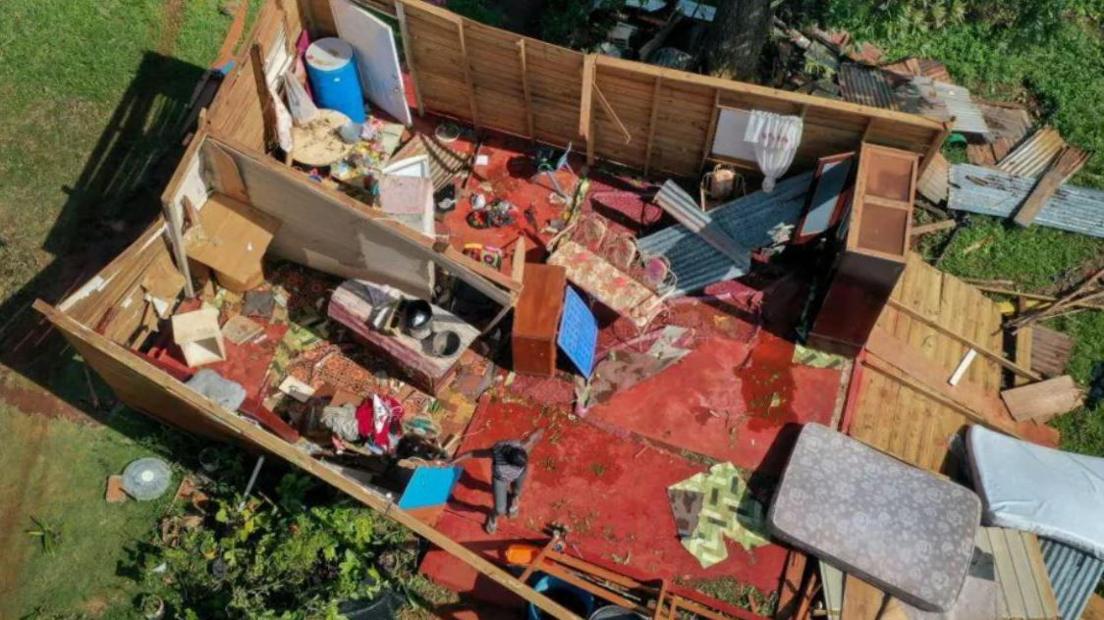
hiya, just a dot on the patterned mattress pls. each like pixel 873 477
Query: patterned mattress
pixel 902 529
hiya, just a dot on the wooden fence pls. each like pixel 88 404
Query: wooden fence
pixel 641 115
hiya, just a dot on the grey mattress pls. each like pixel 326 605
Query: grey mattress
pixel 900 528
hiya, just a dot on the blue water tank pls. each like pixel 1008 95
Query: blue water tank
pixel 331 67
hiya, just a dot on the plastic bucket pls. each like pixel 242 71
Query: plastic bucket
pixel 332 69
pixel 574 599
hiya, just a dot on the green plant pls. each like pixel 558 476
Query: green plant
pixel 282 559
pixel 577 24
pixel 48 534
pixel 740 594
pixel 479 10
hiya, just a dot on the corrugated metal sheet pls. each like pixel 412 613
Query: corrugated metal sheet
pixel 867 86
pixel 997 193
pixel 1031 158
pixel 748 221
pixel 957 103
pixel 1074 575
pixel 682 206
pixel 920 66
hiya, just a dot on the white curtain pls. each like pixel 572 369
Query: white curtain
pixel 775 138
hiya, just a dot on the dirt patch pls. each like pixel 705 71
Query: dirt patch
pixel 14 516
pixel 171 22
pixel 34 400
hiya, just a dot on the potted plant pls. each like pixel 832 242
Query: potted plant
pixel 153 607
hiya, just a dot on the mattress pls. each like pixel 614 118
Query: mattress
pixel 1048 492
pixel 902 529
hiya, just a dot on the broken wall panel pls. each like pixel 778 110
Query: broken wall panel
pixel 113 302
pixel 321 233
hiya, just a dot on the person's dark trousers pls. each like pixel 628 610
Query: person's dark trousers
pixel 507 493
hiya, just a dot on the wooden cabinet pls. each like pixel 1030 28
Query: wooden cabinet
pixel 537 319
pixel 874 247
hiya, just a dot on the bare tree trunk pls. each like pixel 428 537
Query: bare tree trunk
pixel 736 37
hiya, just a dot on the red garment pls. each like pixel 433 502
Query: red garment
pixel 381 428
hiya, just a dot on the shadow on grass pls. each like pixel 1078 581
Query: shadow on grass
pixel 115 198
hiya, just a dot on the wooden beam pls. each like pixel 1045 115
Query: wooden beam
pixel 925 229
pixel 652 124
pixel 268 112
pixel 526 93
pixel 408 53
pixel 467 72
pixel 586 98
pixel 146 376
pixel 608 109
pixel 981 349
pixel 1064 166
pixel 1025 341
pixel 934 147
pixel 711 132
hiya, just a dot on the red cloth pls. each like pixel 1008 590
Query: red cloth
pixel 389 426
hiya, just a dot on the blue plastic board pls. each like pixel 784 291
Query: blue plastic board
pixel 429 486
pixel 578 332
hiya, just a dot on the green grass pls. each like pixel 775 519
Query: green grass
pixel 64 69
pixel 74 76
pixel 63 467
pixel 1033 258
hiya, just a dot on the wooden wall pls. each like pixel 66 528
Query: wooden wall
pixel 236 112
pixel 474 72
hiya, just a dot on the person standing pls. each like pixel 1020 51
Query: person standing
pixel 509 466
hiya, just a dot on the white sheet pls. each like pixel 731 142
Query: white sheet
pixel 1059 495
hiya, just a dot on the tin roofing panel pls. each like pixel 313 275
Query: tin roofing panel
pixel 999 194
pixel 1031 158
pixel 747 220
pixel 867 86
pixel 1074 576
pixel 968 118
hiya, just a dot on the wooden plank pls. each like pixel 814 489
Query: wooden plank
pixel 268 111
pixel 862 601
pixel 924 229
pixel 652 124
pixel 408 53
pixel 1043 400
pixel 587 98
pixel 466 64
pixel 1012 602
pixel 982 350
pixel 525 87
pixel 711 132
pixel 608 109
pixel 1067 164
pixel 132 376
pixel 1041 577
pixel 1024 575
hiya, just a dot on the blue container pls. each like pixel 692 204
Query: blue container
pixel 332 69
pixel 574 599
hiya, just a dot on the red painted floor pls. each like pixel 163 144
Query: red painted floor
pixel 611 492
pixel 732 401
